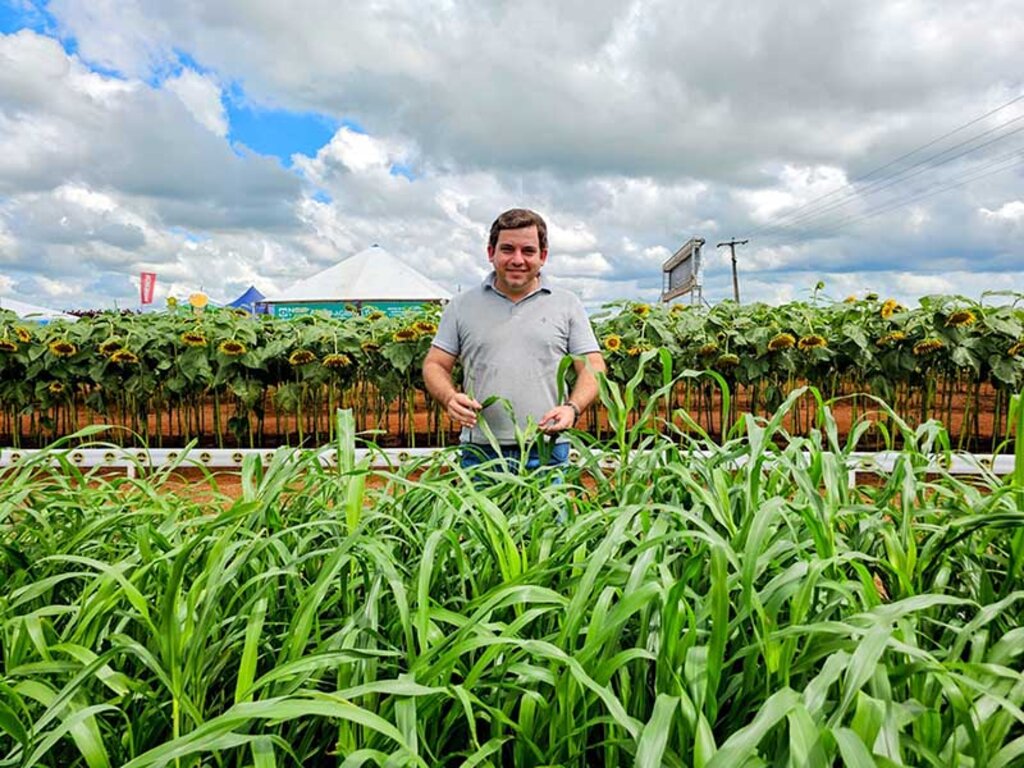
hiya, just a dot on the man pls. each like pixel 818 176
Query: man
pixel 511 334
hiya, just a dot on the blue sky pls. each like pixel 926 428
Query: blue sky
pixel 15 15
pixel 220 147
pixel 276 132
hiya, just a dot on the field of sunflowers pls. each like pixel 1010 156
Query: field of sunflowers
pixel 227 378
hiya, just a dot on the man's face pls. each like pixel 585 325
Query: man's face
pixel 517 259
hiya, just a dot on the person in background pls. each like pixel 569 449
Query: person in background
pixel 511 333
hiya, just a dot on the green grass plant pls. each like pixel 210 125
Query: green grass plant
pixel 728 602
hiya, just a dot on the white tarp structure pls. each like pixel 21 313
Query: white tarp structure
pixel 33 312
pixel 371 275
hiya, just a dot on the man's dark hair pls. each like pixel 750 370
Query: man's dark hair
pixel 519 218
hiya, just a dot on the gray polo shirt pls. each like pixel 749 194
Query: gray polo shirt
pixel 513 350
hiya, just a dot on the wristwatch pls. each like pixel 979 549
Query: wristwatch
pixel 575 410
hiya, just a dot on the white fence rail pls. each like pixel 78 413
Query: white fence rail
pixel 133 459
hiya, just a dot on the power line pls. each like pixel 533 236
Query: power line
pixel 850 185
pixel 926 194
pixel 951 182
pixel 904 175
pixel 1018 156
pixel 933 142
pixel 893 162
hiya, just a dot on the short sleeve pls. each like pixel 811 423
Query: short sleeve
pixel 447 336
pixel 582 340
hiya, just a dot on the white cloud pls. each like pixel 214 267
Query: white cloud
pixel 201 96
pixel 590 264
pixel 55 288
pixel 85 198
pixel 629 126
pixel 8 244
pixel 1012 212
pixel 796 190
pixel 354 152
pixel 577 237
pixel 915 285
pixel 121 35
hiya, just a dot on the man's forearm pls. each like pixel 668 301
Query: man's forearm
pixel 585 391
pixel 439 383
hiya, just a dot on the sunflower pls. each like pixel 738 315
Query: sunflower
pixel 300 357
pixel 337 361
pixel 891 338
pixel 62 348
pixel 8 346
pixel 1016 349
pixel 56 388
pixel 851 299
pixel 232 348
pixel 707 350
pixel 369 346
pixel 613 343
pixel 171 302
pixel 124 357
pixel 638 350
pixel 927 346
pixel 110 346
pixel 814 341
pixel 193 339
pixel 425 327
pixel 891 307
pixel 781 341
pixel 375 315
pixel 961 318
pixel 677 309
pixel 727 360
pixel 641 310
pixel 406 334
pixel 24 334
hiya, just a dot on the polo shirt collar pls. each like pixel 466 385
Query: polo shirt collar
pixel 488 285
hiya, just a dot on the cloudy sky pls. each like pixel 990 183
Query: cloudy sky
pixel 875 146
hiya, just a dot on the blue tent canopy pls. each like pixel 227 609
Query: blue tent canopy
pixel 249 301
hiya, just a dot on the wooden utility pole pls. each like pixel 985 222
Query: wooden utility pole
pixel 735 280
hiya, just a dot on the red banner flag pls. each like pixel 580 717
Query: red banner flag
pixel 146 286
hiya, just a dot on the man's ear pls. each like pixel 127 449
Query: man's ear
pixel 490 253
pixel 544 256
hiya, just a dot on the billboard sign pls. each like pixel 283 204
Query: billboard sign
pixel 343 309
pixel 682 271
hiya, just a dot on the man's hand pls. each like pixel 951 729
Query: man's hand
pixel 463 409
pixel 558 419
pixel 437 375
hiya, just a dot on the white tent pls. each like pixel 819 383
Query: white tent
pixel 370 275
pixel 32 312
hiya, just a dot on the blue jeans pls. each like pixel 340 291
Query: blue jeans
pixel 474 455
